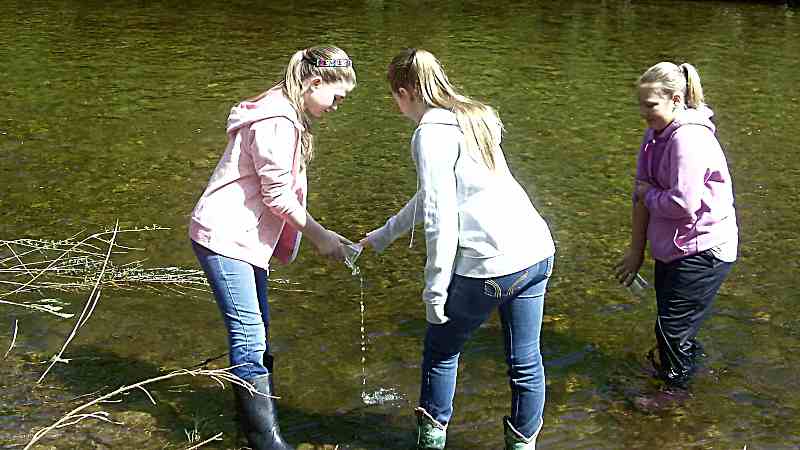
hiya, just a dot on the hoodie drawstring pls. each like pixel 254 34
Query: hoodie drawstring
pixel 414 217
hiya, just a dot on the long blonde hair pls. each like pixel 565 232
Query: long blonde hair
pixel 672 79
pixel 420 73
pixel 303 65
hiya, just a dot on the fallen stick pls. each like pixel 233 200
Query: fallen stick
pixel 13 339
pixel 39 307
pixel 216 437
pixel 88 308
pixel 76 415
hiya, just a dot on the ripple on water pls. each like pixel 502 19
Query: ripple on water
pixel 384 396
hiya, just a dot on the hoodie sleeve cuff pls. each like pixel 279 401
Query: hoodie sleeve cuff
pixel 434 314
pixel 379 239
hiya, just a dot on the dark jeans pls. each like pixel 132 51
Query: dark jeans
pixel 241 293
pixel 519 298
pixel 685 291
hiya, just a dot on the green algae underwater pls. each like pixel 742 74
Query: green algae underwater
pixel 116 110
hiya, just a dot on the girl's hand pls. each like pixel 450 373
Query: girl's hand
pixel 626 269
pixel 330 246
pixel 364 242
pixel 642 187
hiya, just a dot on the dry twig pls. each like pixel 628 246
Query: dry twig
pixel 42 305
pixel 88 308
pixel 217 437
pixel 13 339
pixel 78 414
pixel 72 265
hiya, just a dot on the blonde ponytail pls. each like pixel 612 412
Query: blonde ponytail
pixel 419 72
pixel 694 91
pixel 673 79
pixel 292 85
pixel 293 89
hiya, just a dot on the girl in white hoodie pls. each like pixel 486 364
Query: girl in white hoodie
pixel 487 247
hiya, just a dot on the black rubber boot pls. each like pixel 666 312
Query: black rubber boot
pixel 258 416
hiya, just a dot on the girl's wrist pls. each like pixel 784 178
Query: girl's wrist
pixel 315 232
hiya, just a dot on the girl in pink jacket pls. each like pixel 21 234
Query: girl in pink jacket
pixel 254 208
pixel 683 204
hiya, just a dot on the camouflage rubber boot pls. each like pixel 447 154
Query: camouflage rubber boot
pixel 515 440
pixel 431 435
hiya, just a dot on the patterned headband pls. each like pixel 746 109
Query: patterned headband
pixel 321 62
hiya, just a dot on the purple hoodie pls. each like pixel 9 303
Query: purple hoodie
pixel 691 203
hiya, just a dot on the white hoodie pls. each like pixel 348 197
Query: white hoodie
pixel 478 223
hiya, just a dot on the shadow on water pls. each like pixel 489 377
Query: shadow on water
pixel 579 373
pixel 589 384
pixel 186 408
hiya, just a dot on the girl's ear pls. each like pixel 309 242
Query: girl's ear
pixel 313 82
pixel 404 93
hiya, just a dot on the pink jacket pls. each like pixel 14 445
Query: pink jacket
pixel 259 180
pixel 691 203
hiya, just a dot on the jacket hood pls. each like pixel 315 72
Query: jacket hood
pixel 440 116
pixel 274 104
pixel 690 116
pixel 443 116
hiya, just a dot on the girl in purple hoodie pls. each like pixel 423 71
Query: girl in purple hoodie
pixel 254 208
pixel 683 204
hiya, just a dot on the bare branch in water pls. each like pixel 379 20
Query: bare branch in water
pixel 40 307
pixel 204 363
pixel 18 258
pixel 101 415
pixel 13 339
pixel 216 437
pixel 78 414
pixel 72 265
pixel 152 400
pixel 64 253
pixel 88 308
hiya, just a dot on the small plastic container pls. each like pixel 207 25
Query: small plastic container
pixel 352 252
pixel 638 286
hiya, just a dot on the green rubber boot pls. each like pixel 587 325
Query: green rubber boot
pixel 431 435
pixel 515 440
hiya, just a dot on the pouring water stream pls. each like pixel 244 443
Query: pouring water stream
pixel 381 395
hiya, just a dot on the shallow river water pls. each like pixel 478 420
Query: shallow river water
pixel 114 111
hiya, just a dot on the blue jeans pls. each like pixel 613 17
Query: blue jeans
pixel 519 298
pixel 241 293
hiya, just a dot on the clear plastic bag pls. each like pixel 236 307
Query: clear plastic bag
pixel 638 286
pixel 352 252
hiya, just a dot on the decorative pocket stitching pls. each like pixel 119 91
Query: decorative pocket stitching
pixel 517 283
pixel 492 289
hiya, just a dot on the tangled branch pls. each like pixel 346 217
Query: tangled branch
pixel 78 264
pixel 79 414
pixel 91 303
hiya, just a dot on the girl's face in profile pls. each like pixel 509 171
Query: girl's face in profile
pixel 408 105
pixel 321 97
pixel 655 107
pixel 403 101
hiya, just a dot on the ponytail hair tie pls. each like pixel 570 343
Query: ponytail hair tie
pixel 685 71
pixel 307 59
